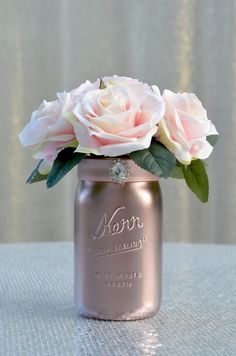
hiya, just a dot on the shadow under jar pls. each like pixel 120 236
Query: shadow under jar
pixel 118 240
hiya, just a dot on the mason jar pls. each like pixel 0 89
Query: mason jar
pixel 118 240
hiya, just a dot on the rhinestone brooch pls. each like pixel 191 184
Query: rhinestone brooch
pixel 119 171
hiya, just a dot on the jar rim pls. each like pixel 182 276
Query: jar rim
pixel 120 169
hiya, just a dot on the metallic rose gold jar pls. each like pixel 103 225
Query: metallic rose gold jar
pixel 118 240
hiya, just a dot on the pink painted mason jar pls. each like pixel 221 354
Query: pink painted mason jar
pixel 118 240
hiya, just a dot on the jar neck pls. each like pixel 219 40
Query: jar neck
pixel 116 170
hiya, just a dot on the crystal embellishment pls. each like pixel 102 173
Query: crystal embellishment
pixel 119 171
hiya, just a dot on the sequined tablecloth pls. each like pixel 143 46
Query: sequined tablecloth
pixel 197 317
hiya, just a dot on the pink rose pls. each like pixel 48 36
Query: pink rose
pixel 185 127
pixel 119 119
pixel 77 94
pixel 49 131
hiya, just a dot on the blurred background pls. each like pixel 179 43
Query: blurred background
pixel 49 46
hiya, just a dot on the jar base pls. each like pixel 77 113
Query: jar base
pixel 142 313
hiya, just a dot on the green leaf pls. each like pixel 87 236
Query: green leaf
pixel 36 176
pixel 157 159
pixel 102 85
pixel 64 162
pixel 212 139
pixel 177 173
pixel 196 178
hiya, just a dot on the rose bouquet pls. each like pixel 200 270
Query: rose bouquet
pixel 168 135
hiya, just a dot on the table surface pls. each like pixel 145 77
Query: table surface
pixel 197 316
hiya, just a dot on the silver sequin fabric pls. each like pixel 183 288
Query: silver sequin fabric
pixel 197 316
